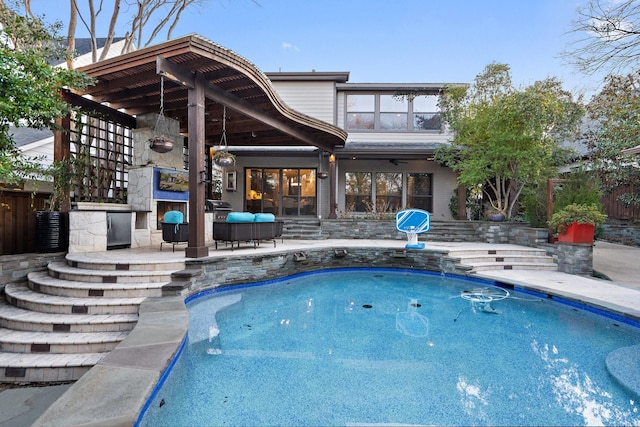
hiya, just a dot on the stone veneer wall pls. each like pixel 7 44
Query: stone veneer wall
pixel 360 229
pixel 252 268
pixel 14 268
pixel 621 233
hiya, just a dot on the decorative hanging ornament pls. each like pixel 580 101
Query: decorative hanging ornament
pixel 222 157
pixel 160 141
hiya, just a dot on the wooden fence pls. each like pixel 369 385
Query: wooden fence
pixel 18 221
pixel 616 210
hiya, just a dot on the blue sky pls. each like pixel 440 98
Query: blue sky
pixel 387 41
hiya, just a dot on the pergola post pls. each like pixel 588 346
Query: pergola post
pixel 196 101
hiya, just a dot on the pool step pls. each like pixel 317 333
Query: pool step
pixel 474 260
pixel 61 322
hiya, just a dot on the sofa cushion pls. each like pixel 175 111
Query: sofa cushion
pixel 173 217
pixel 265 217
pixel 240 217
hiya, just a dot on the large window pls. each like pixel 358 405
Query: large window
pixel 392 113
pixel 281 191
pixel 360 111
pixel 419 191
pixel 388 192
pixel 426 115
pixel 358 191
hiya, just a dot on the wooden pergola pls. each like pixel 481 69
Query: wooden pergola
pixel 202 77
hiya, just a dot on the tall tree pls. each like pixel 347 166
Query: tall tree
pixel 608 37
pixel 504 137
pixel 614 124
pixel 29 87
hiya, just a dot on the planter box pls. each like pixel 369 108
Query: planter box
pixel 577 233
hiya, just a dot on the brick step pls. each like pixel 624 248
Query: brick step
pixel 19 367
pixel 550 266
pixel 12 341
pixel 19 295
pixel 81 261
pixel 63 271
pixel 496 252
pixel 42 282
pixel 24 320
pixel 506 259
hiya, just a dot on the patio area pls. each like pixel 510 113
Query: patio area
pixel 114 391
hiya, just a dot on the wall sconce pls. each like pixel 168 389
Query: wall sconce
pixel 332 158
pixel 203 177
pixel 322 175
pixel 399 253
pixel 340 252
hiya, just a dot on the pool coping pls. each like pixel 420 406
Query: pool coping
pixel 115 391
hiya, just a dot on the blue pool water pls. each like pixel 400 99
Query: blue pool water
pixel 388 347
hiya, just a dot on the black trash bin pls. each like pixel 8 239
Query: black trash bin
pixel 219 208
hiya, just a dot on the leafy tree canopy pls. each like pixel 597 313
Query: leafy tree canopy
pixel 505 137
pixel 29 87
pixel 614 124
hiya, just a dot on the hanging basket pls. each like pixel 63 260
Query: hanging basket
pixel 160 144
pixel 224 159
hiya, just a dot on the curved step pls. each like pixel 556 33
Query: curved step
pixel 111 263
pixel 17 367
pixel 63 271
pixel 13 341
pixel 514 266
pixel 41 281
pixel 19 295
pixel 24 320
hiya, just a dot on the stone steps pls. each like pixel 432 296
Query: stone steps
pixel 21 296
pixel 474 260
pixel 24 320
pixel 64 271
pixel 37 368
pixel 61 322
pixel 42 282
pixel 13 341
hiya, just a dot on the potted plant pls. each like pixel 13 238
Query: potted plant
pixel 224 159
pixel 51 224
pixel 576 223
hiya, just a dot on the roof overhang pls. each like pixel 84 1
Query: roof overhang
pixel 256 116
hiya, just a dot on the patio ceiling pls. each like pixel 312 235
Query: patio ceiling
pixel 256 116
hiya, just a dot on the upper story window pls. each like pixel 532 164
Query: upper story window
pixel 360 111
pixel 387 112
pixel 426 114
pixel 393 113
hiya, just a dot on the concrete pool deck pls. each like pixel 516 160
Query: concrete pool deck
pixel 118 386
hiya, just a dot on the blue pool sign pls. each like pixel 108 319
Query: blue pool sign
pixel 413 222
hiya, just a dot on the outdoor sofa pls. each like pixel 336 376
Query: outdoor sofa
pixel 247 227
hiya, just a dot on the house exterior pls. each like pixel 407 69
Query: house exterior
pixel 308 144
pixel 385 165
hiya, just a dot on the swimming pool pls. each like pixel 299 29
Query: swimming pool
pixel 383 346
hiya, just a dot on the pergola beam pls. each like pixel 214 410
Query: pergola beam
pixel 186 78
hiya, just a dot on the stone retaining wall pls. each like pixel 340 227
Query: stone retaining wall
pixel 252 268
pixel 626 234
pixel 14 268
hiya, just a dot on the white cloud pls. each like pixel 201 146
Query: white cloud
pixel 290 47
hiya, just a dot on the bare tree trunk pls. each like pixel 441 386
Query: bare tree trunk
pixel 112 29
pixel 71 37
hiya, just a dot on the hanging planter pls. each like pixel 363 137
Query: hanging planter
pixel 160 142
pixel 322 175
pixel 224 159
